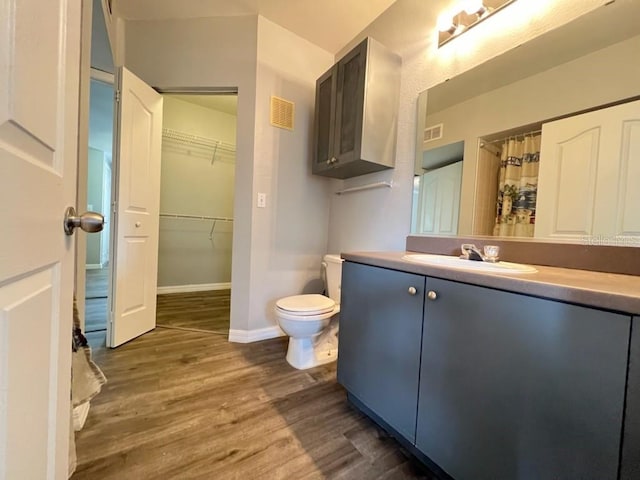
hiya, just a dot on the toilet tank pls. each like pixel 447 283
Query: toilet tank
pixel 333 270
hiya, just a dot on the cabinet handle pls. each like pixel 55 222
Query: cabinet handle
pixel 412 290
pixel 431 295
pixel 334 159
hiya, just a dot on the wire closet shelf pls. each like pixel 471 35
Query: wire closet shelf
pixel 202 146
pixel 198 217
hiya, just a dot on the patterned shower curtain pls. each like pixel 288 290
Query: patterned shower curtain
pixel 518 187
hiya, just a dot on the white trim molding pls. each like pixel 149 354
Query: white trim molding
pixel 200 287
pixel 249 336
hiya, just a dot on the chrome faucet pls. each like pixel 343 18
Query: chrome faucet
pixel 471 252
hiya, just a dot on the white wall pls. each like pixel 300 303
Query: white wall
pixel 275 249
pixel 380 219
pixel 194 185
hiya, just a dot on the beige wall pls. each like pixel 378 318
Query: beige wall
pixel 381 219
pixel 192 184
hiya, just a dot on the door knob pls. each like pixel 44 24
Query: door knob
pixel 90 222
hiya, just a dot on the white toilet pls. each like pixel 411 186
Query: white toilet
pixel 311 320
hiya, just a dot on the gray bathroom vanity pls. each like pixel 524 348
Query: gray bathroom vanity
pixel 496 376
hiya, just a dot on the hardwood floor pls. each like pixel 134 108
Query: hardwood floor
pixel 207 310
pixel 97 281
pixel 189 405
pixel 95 314
pixel 96 299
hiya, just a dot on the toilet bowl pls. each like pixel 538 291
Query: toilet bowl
pixel 311 320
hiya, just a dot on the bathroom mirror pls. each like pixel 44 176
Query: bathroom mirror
pixel 463 123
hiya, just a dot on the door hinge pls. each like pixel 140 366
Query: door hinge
pixel 116 96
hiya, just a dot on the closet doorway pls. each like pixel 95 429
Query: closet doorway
pixel 196 211
pixel 99 200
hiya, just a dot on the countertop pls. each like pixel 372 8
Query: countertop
pixel 594 289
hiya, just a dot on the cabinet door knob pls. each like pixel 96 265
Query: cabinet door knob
pixel 431 295
pixel 412 290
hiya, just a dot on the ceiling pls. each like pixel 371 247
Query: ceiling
pixel 226 103
pixel 329 24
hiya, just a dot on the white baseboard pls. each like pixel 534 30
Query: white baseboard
pixel 248 336
pixel 201 287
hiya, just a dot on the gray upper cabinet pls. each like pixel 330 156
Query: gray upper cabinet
pixel 380 335
pixel 356 113
pixel 520 387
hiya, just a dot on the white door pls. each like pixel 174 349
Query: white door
pixel 440 200
pixel 589 170
pixel 39 87
pixel 137 143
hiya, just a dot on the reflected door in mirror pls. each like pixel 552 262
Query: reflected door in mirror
pixel 589 170
pixel 439 200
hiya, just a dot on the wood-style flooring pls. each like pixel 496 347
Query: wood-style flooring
pixel 197 310
pixel 96 291
pixel 97 282
pixel 207 310
pixel 190 405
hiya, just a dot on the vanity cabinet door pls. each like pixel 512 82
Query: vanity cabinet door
pixel 630 468
pixel 516 387
pixel 380 335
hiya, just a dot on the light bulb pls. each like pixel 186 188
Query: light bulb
pixel 472 7
pixel 445 22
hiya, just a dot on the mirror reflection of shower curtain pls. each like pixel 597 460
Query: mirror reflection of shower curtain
pixel 518 187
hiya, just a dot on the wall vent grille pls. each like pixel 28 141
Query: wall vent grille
pixel 282 113
pixel 433 133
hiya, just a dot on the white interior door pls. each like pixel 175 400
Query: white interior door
pixel 440 200
pixel 39 75
pixel 137 143
pixel 587 185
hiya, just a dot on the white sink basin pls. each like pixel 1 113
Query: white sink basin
pixel 468 265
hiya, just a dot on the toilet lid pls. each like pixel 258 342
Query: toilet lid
pixel 310 304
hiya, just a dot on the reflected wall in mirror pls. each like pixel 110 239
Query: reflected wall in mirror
pixel 525 128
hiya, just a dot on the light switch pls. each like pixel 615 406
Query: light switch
pixel 262 200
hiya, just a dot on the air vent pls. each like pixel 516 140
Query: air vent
pixel 433 133
pixel 282 113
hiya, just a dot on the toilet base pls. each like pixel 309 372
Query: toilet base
pixel 304 353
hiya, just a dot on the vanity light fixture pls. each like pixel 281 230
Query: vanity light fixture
pixel 446 23
pixel 474 7
pixel 469 14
